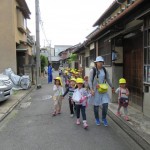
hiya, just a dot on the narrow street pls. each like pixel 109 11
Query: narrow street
pixel 30 126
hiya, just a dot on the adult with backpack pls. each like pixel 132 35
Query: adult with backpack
pixel 97 82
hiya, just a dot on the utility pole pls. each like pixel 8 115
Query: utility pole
pixel 38 63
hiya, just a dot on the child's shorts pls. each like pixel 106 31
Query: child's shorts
pixel 57 100
pixel 124 102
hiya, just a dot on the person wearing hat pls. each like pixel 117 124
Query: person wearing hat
pixel 99 75
pixel 57 97
pixel 123 98
pixel 80 98
pixel 70 90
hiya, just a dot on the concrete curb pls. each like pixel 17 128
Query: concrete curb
pixel 13 106
pixel 129 130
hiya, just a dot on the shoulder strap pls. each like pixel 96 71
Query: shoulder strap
pixel 94 73
pixel 105 72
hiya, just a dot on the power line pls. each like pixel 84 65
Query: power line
pixel 42 27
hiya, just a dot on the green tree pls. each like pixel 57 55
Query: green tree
pixel 44 62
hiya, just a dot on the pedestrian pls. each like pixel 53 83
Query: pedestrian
pixel 60 72
pixel 86 83
pixel 66 79
pixel 80 98
pixel 50 76
pixel 70 90
pixel 123 98
pixel 57 97
pixel 98 87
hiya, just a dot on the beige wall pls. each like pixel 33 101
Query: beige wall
pixel 7 35
pixel 19 23
pixel 146 105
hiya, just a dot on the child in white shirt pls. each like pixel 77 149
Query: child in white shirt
pixel 57 97
pixel 123 98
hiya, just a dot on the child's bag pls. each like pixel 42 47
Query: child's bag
pixel 76 96
pixel 124 101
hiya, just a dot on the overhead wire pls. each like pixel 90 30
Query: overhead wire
pixel 42 27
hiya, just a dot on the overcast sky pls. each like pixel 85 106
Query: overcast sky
pixel 66 22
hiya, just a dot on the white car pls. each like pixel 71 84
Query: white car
pixel 5 87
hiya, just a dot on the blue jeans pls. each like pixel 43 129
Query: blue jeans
pixel 104 111
pixel 82 108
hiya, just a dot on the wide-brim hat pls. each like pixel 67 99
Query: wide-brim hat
pixel 99 59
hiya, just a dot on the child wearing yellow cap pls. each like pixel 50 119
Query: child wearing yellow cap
pixel 123 98
pixel 80 98
pixel 70 90
pixel 57 97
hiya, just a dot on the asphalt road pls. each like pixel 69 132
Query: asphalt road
pixel 30 126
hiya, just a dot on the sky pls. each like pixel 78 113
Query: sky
pixel 66 22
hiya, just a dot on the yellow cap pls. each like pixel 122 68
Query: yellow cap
pixel 79 80
pixel 73 79
pixel 122 80
pixel 66 72
pixel 58 78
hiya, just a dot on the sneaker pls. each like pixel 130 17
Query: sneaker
pixel 126 118
pixel 54 114
pixel 78 122
pixel 97 121
pixel 85 125
pixel 71 115
pixel 118 114
pixel 105 122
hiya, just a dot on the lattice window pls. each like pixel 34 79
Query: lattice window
pixel 87 61
pixel 92 55
pixel 104 50
pixel 147 51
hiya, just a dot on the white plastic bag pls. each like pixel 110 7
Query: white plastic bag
pixel 76 96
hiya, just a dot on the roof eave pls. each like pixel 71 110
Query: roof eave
pixel 119 17
pixel 24 7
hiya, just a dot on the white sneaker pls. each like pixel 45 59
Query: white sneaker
pixel 85 125
pixel 78 122
pixel 71 115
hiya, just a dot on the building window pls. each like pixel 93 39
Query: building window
pixel 21 21
pixel 104 50
pixel 87 61
pixel 147 51
pixel 92 55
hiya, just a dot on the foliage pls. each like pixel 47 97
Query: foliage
pixel 44 62
pixel 69 61
pixel 73 57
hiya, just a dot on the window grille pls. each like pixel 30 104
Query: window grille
pixel 87 61
pixel 92 55
pixel 147 50
pixel 104 50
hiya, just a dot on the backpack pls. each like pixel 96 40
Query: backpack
pixel 94 72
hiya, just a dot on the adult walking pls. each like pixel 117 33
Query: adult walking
pixel 50 76
pixel 99 75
